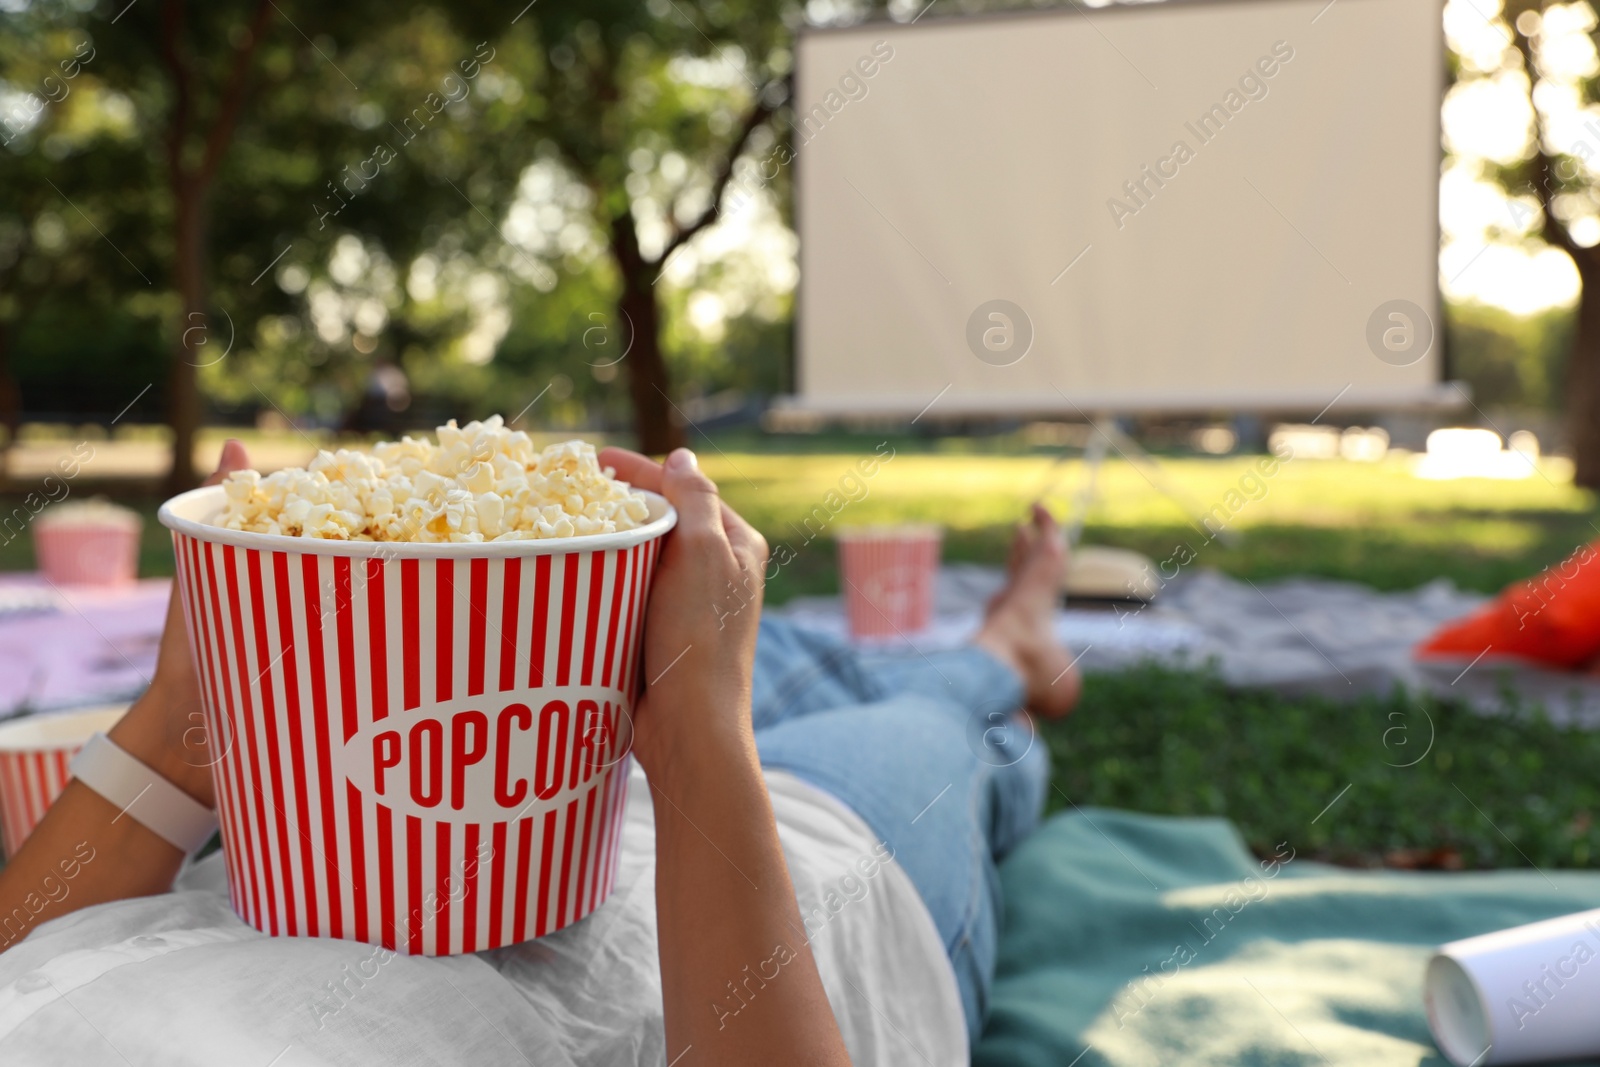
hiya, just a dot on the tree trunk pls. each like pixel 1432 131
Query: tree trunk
pixel 183 392
pixel 10 402
pixel 649 384
pixel 1583 376
pixel 1583 360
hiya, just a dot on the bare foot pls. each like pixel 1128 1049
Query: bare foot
pixel 1017 629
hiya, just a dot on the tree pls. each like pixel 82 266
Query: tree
pixel 67 153
pixel 609 88
pixel 639 303
pixel 600 85
pixel 1563 182
pixel 250 135
pixel 252 116
pixel 378 201
pixel 194 153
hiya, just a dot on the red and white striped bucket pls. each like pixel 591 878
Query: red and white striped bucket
pixel 888 574
pixel 83 551
pixel 34 753
pixel 423 746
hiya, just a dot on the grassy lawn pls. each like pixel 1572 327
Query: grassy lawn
pixel 1502 792
pixel 1369 522
pixel 1391 781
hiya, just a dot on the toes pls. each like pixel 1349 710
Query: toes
pixel 1047 552
pixel 1045 525
pixel 1021 546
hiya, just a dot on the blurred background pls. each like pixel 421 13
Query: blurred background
pixel 313 224
pixel 267 216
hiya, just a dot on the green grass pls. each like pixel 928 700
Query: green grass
pixel 1429 784
pixel 1490 792
pixel 1369 522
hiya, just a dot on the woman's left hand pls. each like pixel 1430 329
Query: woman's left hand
pixel 166 728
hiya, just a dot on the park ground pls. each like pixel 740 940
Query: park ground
pixel 1510 791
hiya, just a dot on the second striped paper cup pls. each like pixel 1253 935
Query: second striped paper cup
pixel 423 746
pixel 888 576
pixel 34 754
pixel 93 543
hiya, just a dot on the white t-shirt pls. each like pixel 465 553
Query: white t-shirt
pixel 179 979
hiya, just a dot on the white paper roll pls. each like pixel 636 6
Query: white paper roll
pixel 1524 995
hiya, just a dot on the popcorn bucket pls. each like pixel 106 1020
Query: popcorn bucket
pixel 423 746
pixel 99 551
pixel 34 754
pixel 888 574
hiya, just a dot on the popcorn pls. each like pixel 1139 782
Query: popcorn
pixel 481 482
pixel 96 511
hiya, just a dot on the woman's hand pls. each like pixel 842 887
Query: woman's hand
pixel 166 728
pixel 700 627
pixel 724 898
pixel 84 837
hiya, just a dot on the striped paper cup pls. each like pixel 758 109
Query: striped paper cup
pixel 888 576
pixel 423 746
pixel 103 550
pixel 34 753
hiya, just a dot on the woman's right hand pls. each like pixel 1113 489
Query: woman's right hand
pixel 724 897
pixel 700 626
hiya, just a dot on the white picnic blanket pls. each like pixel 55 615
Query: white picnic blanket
pixel 1295 635
pixel 68 648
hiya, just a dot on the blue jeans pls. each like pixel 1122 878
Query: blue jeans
pixel 929 751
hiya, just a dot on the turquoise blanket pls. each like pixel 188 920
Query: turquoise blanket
pixel 1135 940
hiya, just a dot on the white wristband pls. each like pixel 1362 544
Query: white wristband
pixel 151 800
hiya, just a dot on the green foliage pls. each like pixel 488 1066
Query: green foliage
pixel 628 108
pixel 73 176
pixel 417 181
pixel 1481 791
pixel 66 362
pixel 1511 360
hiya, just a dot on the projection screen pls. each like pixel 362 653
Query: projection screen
pixel 1182 206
